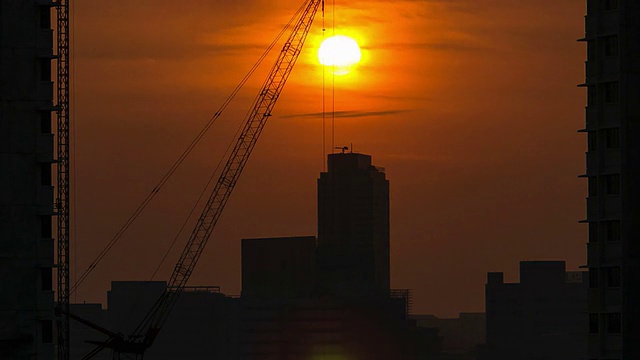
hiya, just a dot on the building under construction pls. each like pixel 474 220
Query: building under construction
pixel 27 320
pixel 612 126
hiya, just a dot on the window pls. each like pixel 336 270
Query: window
pixel 612 230
pixel 593 324
pixel 45 69
pixel 611 92
pixel 593 186
pixel 45 226
pixel 45 174
pixel 613 277
pixel 593 232
pixel 610 44
pixel 592 141
pixel 614 323
pixel 612 184
pixel 46 279
pixel 610 4
pixel 46 330
pixel 45 122
pixel 593 278
pixel 45 17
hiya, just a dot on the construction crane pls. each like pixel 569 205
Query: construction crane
pixel 135 345
pixel 62 184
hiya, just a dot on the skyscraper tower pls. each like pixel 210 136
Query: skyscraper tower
pixel 26 191
pixel 613 172
pixel 353 227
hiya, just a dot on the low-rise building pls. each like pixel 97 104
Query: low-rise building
pixel 543 317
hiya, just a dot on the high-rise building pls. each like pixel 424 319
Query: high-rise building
pixel 26 191
pixel 613 172
pixel 353 227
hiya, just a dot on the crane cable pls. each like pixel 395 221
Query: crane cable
pixel 324 68
pixel 119 234
pixel 333 80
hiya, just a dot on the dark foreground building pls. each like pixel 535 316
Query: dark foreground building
pixel 202 326
pixel 302 297
pixel 543 317
pixel 458 337
pixel 283 315
pixel 26 191
pixel 613 172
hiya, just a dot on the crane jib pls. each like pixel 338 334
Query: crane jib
pixel 262 107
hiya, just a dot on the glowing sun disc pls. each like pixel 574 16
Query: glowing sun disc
pixel 340 51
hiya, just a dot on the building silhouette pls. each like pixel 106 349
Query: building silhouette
pixel 541 317
pixel 284 317
pixel 285 311
pixel 330 298
pixel 353 227
pixel 613 172
pixel 26 191
pixel 203 324
pixel 279 267
pixel 458 337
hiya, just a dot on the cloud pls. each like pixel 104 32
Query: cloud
pixel 437 46
pixel 349 114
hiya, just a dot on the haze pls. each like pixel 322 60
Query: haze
pixel 471 106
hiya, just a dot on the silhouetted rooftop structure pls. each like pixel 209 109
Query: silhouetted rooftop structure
pixel 541 317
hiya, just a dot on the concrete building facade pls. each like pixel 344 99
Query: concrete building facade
pixel 543 317
pixel 353 227
pixel 612 29
pixel 26 191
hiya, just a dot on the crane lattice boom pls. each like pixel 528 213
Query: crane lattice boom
pixel 147 331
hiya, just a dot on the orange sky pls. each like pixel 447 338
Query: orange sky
pixel 471 106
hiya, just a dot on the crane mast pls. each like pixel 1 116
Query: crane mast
pixel 63 165
pixel 145 334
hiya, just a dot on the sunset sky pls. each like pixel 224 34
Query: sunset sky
pixel 471 106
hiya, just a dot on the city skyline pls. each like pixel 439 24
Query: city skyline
pixel 477 184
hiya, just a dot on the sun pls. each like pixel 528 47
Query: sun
pixel 341 52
